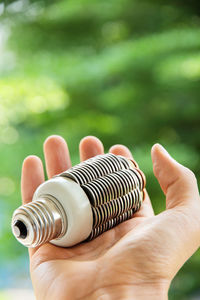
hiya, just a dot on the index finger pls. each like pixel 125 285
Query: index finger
pixel 32 176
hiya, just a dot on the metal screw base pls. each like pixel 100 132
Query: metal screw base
pixel 39 221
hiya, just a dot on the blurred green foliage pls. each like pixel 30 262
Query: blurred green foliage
pixel 127 71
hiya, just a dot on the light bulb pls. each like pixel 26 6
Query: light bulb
pixel 81 203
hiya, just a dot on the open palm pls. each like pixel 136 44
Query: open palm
pixel 137 258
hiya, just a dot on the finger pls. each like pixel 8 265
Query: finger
pixel 177 182
pixel 32 177
pixel 90 146
pixel 56 154
pixel 121 150
pixel 146 209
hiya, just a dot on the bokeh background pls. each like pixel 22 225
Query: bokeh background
pixel 127 71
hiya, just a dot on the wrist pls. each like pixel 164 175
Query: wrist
pixel 150 291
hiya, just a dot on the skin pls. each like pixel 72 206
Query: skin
pixel 137 259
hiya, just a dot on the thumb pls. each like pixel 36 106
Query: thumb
pixel 177 182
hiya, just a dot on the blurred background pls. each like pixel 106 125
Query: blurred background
pixel 127 71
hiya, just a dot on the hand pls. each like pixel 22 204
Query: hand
pixel 135 260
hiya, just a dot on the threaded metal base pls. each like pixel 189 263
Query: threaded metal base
pixel 39 221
